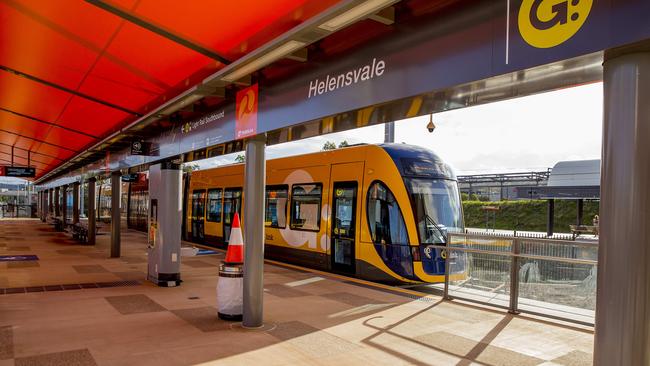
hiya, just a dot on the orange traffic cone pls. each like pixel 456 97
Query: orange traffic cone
pixel 235 252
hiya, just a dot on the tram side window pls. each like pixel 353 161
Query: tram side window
pixel 384 216
pixel 231 204
pixel 214 205
pixel 276 206
pixel 305 206
pixel 198 205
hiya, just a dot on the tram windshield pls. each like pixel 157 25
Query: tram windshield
pixel 436 206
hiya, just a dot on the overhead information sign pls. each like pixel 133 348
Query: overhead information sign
pixel 17 171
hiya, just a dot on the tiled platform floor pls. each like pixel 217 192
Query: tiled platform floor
pixel 311 318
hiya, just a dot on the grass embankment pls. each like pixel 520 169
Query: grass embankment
pixel 529 215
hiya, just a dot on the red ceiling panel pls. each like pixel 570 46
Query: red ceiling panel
pixel 66 138
pixel 130 88
pixel 51 150
pixel 167 61
pixel 231 28
pixel 81 47
pixel 31 98
pixel 90 117
pixel 7 139
pixel 37 130
pixel 34 44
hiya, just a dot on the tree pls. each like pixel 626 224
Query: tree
pixel 464 196
pixel 241 158
pixel 329 145
pixel 190 167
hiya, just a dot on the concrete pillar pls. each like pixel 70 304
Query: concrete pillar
pixel 115 214
pixel 75 202
pixel 50 201
pixel 64 204
pixel 253 224
pixel 57 208
pixel 82 202
pixel 623 301
pixel 39 205
pixel 92 217
pixel 550 225
pixel 43 205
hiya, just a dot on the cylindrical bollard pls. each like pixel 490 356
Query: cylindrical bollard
pixel 230 292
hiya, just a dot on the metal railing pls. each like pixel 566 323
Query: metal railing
pixel 18 211
pixel 548 277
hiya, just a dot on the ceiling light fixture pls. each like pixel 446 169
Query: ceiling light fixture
pixel 264 60
pixel 356 13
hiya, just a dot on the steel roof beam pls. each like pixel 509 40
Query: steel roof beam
pixel 130 17
pixel 67 90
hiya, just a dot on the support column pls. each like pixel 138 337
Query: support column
pixel 550 225
pixel 253 224
pixel 91 211
pixel 580 207
pixel 64 204
pixel 389 132
pixel 57 208
pixel 115 214
pixel 623 301
pixel 75 203
pixel 43 205
pixel 39 205
pixel 50 201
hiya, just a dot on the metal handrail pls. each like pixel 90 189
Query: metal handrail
pixel 515 256
pixel 518 255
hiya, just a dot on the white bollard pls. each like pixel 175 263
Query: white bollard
pixel 230 292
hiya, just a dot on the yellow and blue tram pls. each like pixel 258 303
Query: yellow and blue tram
pixel 371 211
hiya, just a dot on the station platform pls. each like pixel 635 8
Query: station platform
pixel 76 306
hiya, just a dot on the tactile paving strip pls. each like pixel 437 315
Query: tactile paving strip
pixel 66 287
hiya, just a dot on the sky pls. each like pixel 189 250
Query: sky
pixel 531 133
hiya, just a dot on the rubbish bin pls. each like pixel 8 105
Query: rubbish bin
pixel 230 292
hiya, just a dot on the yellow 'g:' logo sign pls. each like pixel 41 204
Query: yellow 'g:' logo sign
pixel 548 23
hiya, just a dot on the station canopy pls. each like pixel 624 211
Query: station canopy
pixel 73 72
pixel 577 179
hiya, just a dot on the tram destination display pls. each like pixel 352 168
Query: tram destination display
pixel 17 171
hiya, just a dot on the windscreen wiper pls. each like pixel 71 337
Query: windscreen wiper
pixel 430 220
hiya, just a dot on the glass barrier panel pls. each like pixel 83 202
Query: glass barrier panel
pixel 476 276
pixel 555 285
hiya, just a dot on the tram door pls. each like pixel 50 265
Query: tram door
pixel 198 216
pixel 231 204
pixel 344 217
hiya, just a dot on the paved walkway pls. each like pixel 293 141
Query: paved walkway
pixel 75 306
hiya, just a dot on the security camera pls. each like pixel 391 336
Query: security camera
pixel 430 125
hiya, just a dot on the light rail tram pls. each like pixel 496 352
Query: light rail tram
pixel 369 211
